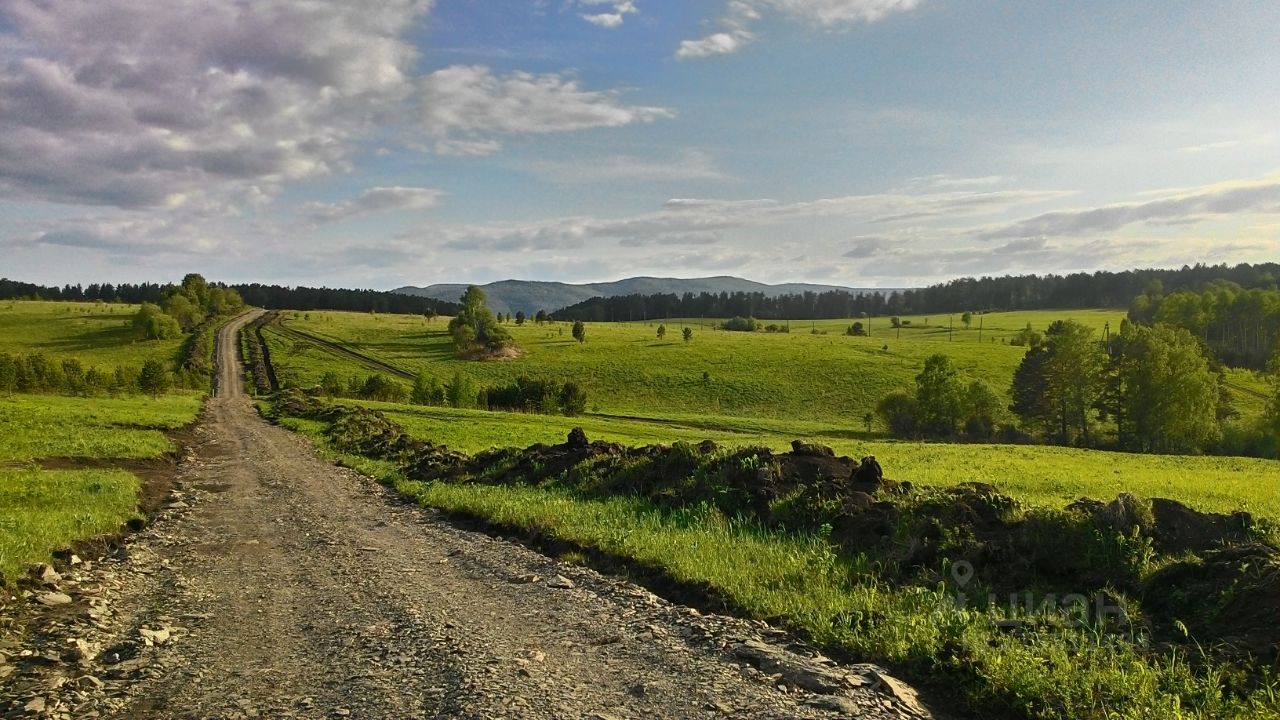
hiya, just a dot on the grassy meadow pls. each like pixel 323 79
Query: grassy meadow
pixel 96 334
pixel 828 378
pixel 43 510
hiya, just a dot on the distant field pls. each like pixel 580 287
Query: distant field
pixel 96 334
pixel 626 370
pixel 1035 474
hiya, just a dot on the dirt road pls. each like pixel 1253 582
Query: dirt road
pixel 277 585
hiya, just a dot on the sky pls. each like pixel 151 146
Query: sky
pixel 869 143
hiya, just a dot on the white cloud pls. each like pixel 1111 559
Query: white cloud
pixel 610 20
pixel 128 104
pixel 471 101
pixel 699 222
pixel 690 165
pixel 121 103
pixel 378 199
pixel 739 16
pixel 1185 207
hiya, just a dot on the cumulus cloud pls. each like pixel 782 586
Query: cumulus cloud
pixel 620 8
pixel 128 104
pixel 471 101
pixel 1182 208
pixel 373 200
pixel 120 103
pixel 739 16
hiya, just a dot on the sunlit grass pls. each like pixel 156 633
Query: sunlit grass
pixel 38 426
pixel 43 511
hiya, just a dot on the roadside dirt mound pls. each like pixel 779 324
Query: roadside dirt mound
pixel 1229 596
pixel 1173 527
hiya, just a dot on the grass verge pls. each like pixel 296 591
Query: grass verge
pixel 43 511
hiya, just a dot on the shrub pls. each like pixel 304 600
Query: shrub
pixel 741 324
pixel 151 323
pixel 154 378
pixel 573 399
pixel 900 412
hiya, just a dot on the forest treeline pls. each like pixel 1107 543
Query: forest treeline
pixel 1240 326
pixel 272 297
pixel 1022 292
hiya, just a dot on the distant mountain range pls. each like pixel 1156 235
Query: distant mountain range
pixel 530 296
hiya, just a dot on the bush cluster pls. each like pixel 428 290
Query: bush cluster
pixel 524 395
pixel 741 324
pixel 38 374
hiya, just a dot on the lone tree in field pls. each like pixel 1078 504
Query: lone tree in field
pixel 519 317
pixel 475 328
pixel 154 378
pixel 967 319
pixel 688 334
pixel 579 331
pixel 662 331
pixel 540 317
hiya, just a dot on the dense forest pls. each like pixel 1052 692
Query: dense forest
pixel 273 297
pixel 1241 326
pixel 1023 292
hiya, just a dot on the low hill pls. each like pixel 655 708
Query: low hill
pixel 531 296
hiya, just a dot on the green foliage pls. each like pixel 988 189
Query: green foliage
pixel 967 319
pixel 151 323
pixel 856 330
pixel 662 331
pixel 379 387
pixel 940 396
pixel 475 328
pixel 1241 326
pixel 1026 337
pixel 579 331
pixel 462 391
pixel 573 399
pixel 741 324
pixel 1166 397
pixel 519 317
pixel 427 390
pixel 155 378
pixel 687 333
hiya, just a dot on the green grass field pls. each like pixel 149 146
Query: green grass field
pixel 43 426
pixel 44 510
pixel 626 370
pixel 96 334
pixel 41 511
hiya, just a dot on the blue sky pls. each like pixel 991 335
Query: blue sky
pixel 861 142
